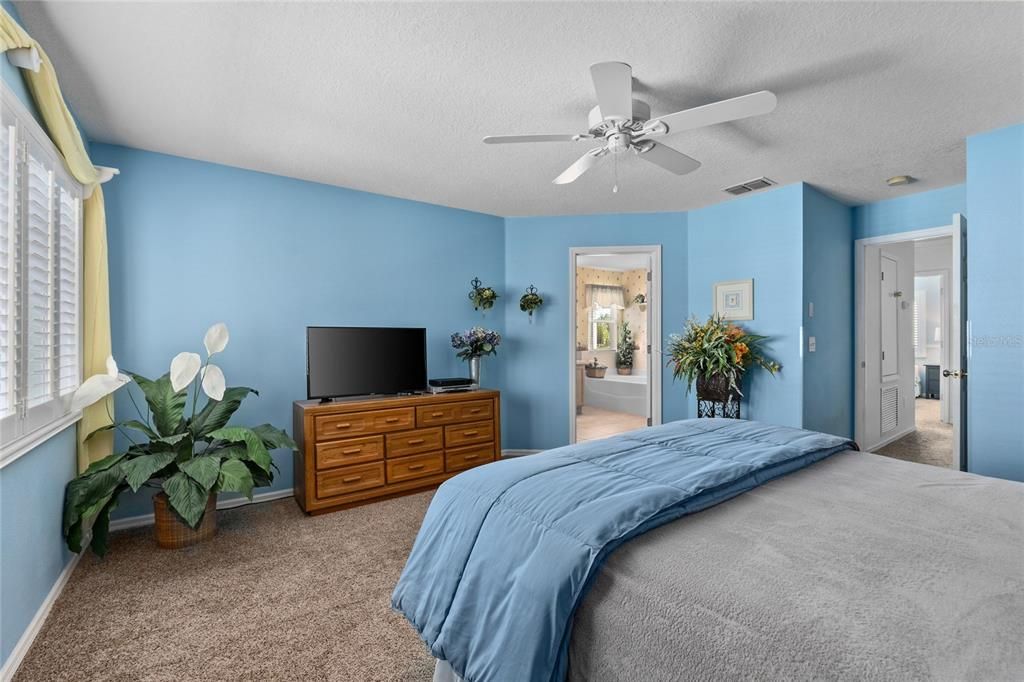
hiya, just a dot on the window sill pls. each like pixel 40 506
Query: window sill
pixel 30 441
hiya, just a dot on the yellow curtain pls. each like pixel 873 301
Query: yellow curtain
pixel 96 291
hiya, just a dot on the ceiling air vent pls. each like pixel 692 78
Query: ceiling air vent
pixel 749 186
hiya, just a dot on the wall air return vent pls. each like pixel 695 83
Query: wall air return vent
pixel 749 186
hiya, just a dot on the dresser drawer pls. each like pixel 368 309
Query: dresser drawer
pixel 360 423
pixel 349 479
pixel 466 458
pixel 349 451
pixel 471 410
pixel 466 434
pixel 419 466
pixel 474 410
pixel 413 442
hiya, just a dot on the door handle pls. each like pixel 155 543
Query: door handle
pixel 955 374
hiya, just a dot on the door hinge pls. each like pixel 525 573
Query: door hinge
pixel 883 276
pixel 648 349
pixel 650 422
pixel 883 355
pixel 648 275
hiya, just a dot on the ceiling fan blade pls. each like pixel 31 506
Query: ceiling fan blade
pixel 613 83
pixel 582 165
pixel 754 104
pixel 510 139
pixel 666 157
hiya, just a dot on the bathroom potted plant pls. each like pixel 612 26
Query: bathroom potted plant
pixel 624 356
pixel 715 355
pixel 473 344
pixel 186 451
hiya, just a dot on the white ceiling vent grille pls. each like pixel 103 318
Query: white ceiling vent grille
pixel 890 407
pixel 749 186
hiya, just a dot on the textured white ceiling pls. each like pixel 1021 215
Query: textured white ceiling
pixel 395 98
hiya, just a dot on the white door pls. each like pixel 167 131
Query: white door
pixel 955 375
pixel 889 343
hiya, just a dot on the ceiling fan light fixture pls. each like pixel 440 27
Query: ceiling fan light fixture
pixel 900 180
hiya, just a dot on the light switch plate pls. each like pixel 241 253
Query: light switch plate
pixel 810 309
pixel 812 344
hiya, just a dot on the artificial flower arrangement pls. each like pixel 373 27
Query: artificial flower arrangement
pixel 187 451
pixel 476 342
pixel 530 301
pixel 716 349
pixel 481 296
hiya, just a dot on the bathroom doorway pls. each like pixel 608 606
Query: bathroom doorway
pixel 615 377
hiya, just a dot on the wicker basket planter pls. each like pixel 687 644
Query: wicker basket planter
pixel 172 533
pixel 625 371
pixel 716 387
pixel 595 371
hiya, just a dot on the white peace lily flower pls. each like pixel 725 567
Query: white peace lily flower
pixel 216 338
pixel 213 382
pixel 184 368
pixel 98 386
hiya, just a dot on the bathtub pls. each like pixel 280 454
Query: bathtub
pixel 616 392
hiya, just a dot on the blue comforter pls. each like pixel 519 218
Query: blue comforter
pixel 507 551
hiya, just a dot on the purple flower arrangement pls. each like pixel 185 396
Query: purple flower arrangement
pixel 476 342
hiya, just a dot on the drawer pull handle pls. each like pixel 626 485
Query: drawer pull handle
pixel 351 479
pixel 415 467
pixel 470 433
pixel 475 410
pixel 437 414
pixel 415 441
pixel 351 451
pixel 469 457
pixel 344 425
pixel 390 420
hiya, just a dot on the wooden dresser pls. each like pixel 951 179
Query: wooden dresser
pixel 357 451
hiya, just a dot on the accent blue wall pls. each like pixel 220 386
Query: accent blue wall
pixel 33 552
pixel 194 243
pixel 828 392
pixel 995 302
pixel 536 398
pixel 759 237
pixel 911 212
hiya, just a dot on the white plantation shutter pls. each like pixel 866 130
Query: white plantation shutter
pixel 40 281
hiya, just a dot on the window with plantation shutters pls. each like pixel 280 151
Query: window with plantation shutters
pixel 40 283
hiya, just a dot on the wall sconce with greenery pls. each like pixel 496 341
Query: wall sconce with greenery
pixel 530 301
pixel 481 296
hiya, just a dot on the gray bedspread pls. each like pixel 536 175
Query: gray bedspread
pixel 858 567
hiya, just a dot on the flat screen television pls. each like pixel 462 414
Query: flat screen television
pixel 349 361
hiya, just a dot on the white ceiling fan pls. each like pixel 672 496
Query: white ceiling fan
pixel 624 123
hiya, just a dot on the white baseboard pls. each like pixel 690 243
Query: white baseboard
pixel 518 453
pixel 229 503
pixel 25 642
pixel 890 439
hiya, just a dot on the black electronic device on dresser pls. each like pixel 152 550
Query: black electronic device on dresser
pixel 365 361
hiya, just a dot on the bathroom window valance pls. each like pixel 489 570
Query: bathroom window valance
pixel 601 296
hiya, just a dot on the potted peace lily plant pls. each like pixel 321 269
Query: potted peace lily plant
pixel 715 355
pixel 185 450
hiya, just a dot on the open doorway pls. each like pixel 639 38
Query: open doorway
pixel 614 324
pixel 910 333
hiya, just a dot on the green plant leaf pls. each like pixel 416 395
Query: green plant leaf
pixel 173 440
pixel 187 498
pixel 203 470
pixel 256 451
pixel 131 424
pixel 274 437
pixel 105 463
pixel 166 405
pixel 101 527
pixel 140 469
pixel 235 477
pixel 85 494
pixel 216 413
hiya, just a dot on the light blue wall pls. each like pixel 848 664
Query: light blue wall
pixel 828 282
pixel 195 243
pixel 759 237
pixel 995 306
pixel 912 212
pixel 536 397
pixel 32 553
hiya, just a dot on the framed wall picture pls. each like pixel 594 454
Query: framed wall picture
pixel 734 300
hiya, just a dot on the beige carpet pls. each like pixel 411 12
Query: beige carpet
pixel 276 595
pixel 930 443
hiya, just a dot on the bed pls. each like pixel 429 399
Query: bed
pixel 848 566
